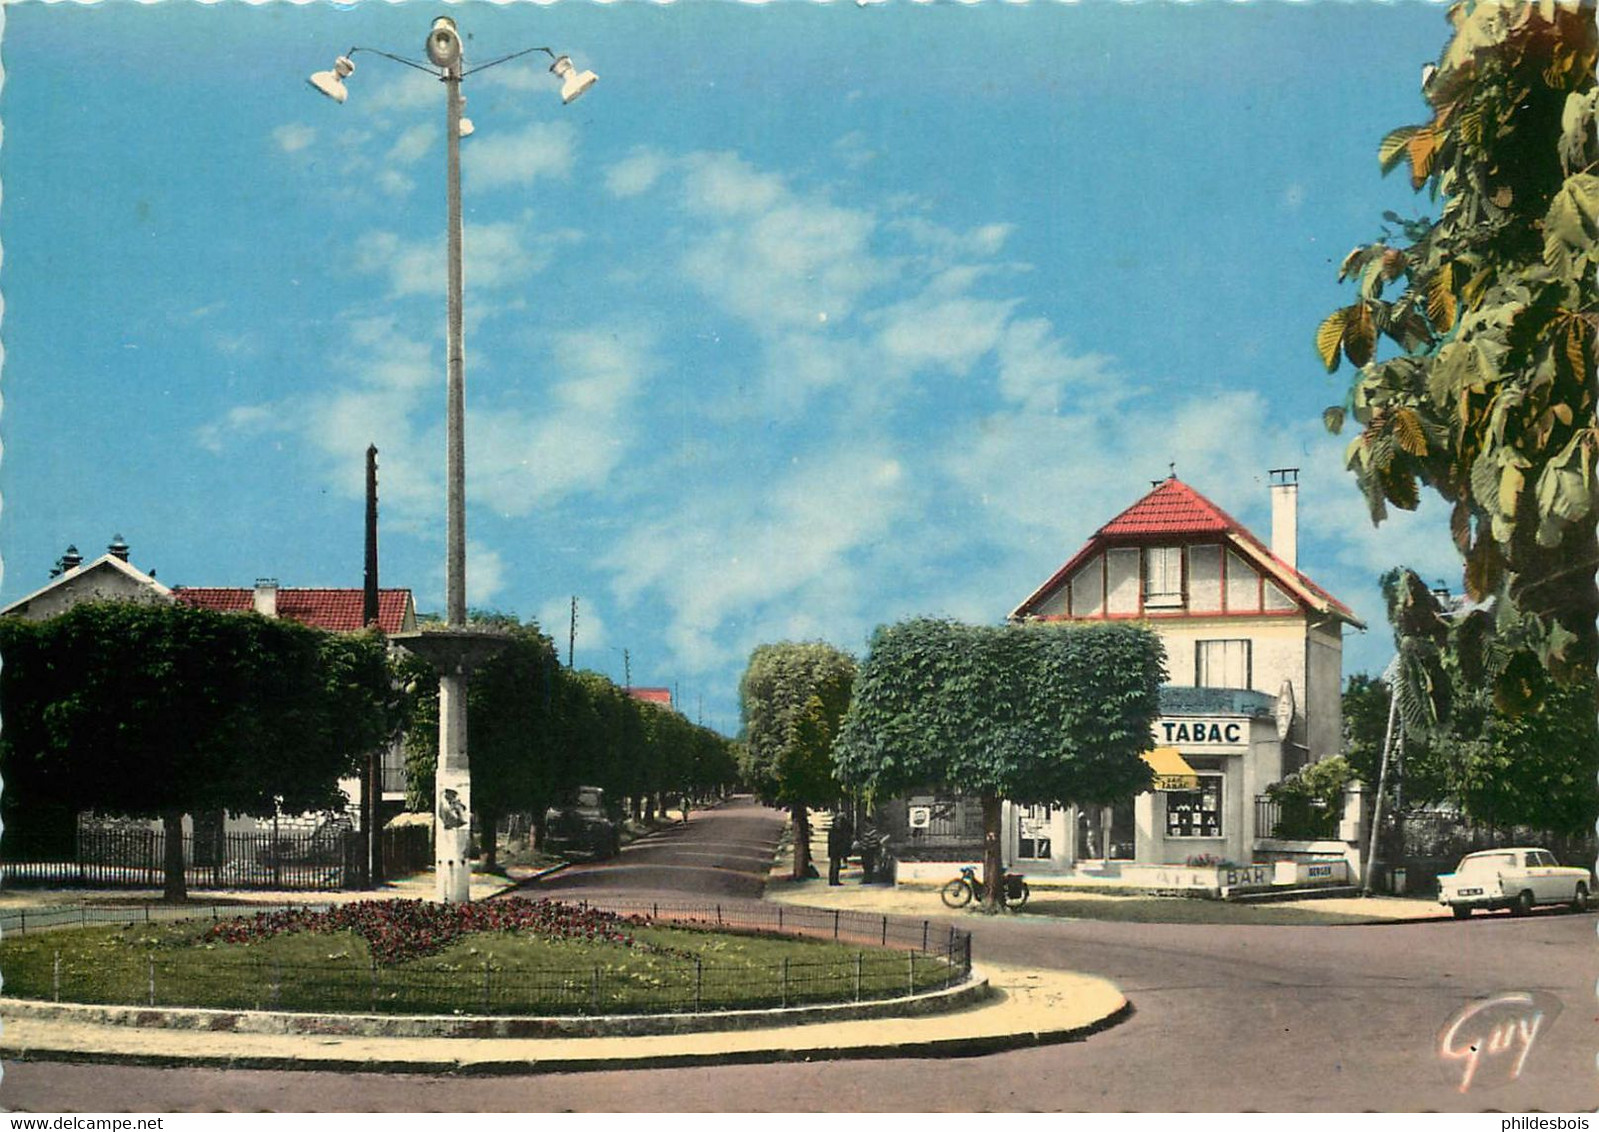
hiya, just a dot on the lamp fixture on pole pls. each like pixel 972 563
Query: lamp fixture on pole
pixel 455 651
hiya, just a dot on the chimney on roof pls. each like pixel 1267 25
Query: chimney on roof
pixel 266 597
pixel 71 560
pixel 1285 514
pixel 118 548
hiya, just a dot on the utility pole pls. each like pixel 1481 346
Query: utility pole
pixel 372 788
pixel 571 634
pixel 1395 730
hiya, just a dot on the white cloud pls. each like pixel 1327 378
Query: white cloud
pixel 854 150
pixel 823 547
pixel 984 240
pixel 635 174
pixel 949 334
pixel 500 255
pixel 757 562
pixel 1048 480
pixel 724 185
pixel 485 575
pixel 294 137
pixel 529 76
pixel 540 149
pixel 555 619
pixel 788 266
pixel 243 420
pixel 582 430
pixel 394 183
pixel 1037 371
pixel 495 256
pixel 383 92
pixel 413 145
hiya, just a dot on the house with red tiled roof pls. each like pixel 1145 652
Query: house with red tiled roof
pixel 1254 658
pixel 661 697
pixel 333 610
pixel 112 577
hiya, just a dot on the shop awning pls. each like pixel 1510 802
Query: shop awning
pixel 1172 771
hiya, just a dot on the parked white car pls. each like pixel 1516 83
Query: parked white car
pixel 1516 879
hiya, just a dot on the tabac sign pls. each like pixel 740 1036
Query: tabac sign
pixel 1197 731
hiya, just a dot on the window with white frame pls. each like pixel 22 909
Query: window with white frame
pixel 1163 577
pixel 1222 664
pixel 1032 832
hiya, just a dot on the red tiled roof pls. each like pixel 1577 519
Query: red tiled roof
pixel 652 695
pixel 1173 510
pixel 337 611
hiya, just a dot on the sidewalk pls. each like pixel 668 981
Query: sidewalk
pixel 418 887
pixel 1028 1008
pixel 1063 897
pixel 1067 902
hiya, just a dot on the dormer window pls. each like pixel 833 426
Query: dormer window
pixel 1163 577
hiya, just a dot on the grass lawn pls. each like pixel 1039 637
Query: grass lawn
pixel 665 969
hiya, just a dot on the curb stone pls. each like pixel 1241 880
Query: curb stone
pixel 975 1046
pixel 199 1020
pixel 1031 1009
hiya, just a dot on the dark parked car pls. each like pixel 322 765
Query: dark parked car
pixel 582 828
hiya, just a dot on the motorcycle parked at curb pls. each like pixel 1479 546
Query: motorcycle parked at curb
pixel 966 888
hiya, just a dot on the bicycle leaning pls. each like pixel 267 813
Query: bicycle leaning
pixel 965 888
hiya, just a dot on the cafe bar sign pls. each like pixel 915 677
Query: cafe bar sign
pixel 1197 731
pixel 1171 771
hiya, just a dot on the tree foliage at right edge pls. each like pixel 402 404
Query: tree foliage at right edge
pixel 1533 766
pixel 1494 310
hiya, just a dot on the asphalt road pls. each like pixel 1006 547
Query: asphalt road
pixel 723 852
pixel 1227 1018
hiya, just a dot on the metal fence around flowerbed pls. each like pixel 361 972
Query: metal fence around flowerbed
pixel 892 957
pixel 313 860
pixel 761 917
pixel 25 921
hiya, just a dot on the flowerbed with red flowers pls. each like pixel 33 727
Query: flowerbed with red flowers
pixel 398 930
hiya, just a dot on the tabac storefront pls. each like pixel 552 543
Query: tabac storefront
pixel 1212 750
pixel 1254 650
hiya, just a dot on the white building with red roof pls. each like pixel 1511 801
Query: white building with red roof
pixel 332 610
pixel 1254 655
pixel 111 577
pixel 661 697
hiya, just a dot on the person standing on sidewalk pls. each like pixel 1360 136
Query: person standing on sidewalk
pixel 840 839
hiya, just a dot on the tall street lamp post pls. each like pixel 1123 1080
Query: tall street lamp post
pixel 455 651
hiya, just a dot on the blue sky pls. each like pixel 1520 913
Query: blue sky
pixel 806 318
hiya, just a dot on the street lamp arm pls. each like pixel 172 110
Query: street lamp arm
pixel 505 59
pixel 397 58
